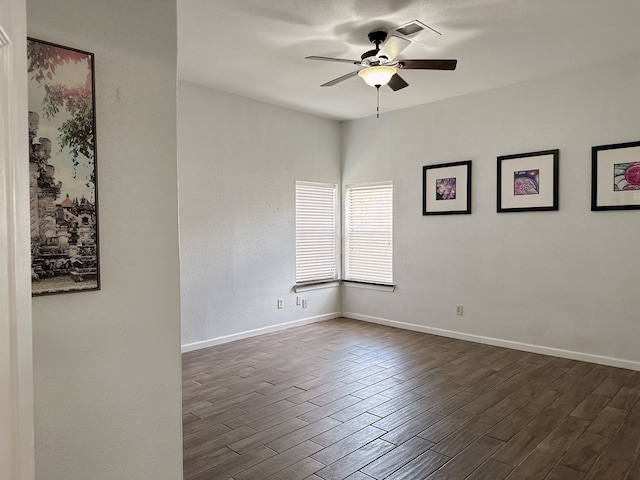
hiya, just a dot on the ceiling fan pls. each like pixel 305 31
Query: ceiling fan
pixel 381 65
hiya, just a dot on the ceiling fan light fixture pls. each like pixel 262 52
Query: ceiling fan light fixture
pixel 377 76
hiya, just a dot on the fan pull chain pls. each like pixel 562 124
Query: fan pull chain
pixel 377 101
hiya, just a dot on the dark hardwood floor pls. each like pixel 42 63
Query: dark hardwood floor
pixel 344 399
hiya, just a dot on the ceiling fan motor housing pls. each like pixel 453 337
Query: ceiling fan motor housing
pixel 369 54
pixel 376 38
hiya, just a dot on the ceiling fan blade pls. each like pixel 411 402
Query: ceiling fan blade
pixel 397 82
pixel 331 59
pixel 393 46
pixel 428 64
pixel 339 79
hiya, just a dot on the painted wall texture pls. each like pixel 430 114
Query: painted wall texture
pixel 107 363
pixel 563 280
pixel 238 162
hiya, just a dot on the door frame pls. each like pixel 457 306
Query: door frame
pixel 16 362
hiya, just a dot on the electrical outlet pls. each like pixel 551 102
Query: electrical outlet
pixel 459 310
pixel 280 303
pixel 304 303
pixel 298 300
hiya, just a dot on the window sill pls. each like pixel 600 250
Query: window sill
pixel 370 286
pixel 348 283
pixel 316 286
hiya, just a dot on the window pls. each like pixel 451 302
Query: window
pixel 316 233
pixel 369 233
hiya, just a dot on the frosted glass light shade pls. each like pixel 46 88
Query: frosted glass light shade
pixel 377 76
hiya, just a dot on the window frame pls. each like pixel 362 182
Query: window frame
pixel 301 281
pixel 347 202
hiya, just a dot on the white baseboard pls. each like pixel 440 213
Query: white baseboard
pixel 556 352
pixel 189 347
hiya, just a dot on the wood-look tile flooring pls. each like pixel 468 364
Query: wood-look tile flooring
pixel 344 399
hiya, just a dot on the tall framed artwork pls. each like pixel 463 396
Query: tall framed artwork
pixel 615 176
pixel 446 188
pixel 62 169
pixel 528 181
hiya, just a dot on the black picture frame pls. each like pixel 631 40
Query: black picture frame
pixel 446 188
pixel 615 177
pixel 63 175
pixel 528 182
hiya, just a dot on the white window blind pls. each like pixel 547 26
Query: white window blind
pixel 316 237
pixel 369 233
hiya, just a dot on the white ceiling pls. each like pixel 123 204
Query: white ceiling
pixel 256 48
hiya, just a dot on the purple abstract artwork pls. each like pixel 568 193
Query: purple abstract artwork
pixel 626 176
pixel 446 189
pixel 526 182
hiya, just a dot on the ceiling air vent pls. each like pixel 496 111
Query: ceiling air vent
pixel 414 27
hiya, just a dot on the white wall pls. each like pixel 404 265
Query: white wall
pixel 238 162
pixel 107 363
pixel 563 280
pixel 16 372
